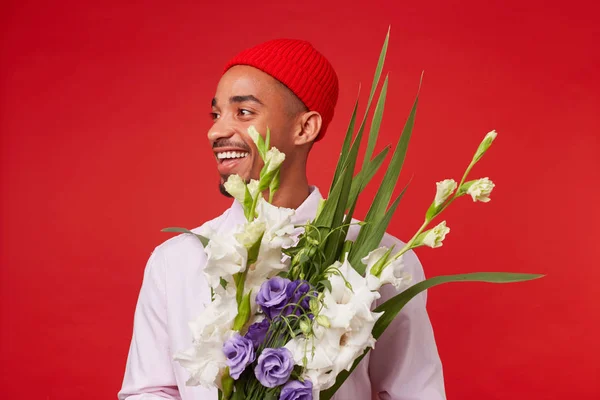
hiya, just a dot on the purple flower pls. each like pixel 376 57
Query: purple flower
pixel 274 367
pixel 257 332
pixel 273 296
pixel 240 353
pixel 297 390
pixel 296 290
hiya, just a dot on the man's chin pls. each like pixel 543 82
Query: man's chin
pixel 223 191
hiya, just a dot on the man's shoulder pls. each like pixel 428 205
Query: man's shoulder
pixel 187 242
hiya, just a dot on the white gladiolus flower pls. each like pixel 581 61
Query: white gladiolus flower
pixel 253 187
pixel 480 190
pixel 393 273
pixel 434 237
pixel 236 187
pixel 273 159
pixel 250 233
pixel 444 189
pixel 224 258
pixel 254 135
pixel 205 361
pixel 332 350
pixel 279 232
pixel 279 228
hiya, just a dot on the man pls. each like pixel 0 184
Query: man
pixel 290 87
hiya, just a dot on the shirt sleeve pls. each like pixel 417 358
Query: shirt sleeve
pixel 149 373
pixel 405 365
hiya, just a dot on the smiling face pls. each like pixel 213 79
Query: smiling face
pixel 246 96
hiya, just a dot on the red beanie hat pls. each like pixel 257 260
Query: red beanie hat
pixel 301 68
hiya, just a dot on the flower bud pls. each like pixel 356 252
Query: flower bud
pixel 236 187
pixel 273 159
pixel 485 145
pixel 305 326
pixel 433 237
pixel 444 189
pixel 479 189
pixel 323 321
pixel 254 135
pixel 243 312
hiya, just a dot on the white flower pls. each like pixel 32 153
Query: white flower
pixel 205 360
pixel 392 273
pixel 279 228
pixel 480 190
pixel 279 232
pixel 344 304
pixel 236 187
pixel 254 135
pixel 253 187
pixel 273 159
pixel 224 258
pixel 434 237
pixel 331 350
pixel 250 233
pixel 491 135
pixel 444 190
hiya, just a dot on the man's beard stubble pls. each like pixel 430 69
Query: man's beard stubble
pixel 223 191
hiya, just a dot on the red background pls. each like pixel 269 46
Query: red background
pixel 103 143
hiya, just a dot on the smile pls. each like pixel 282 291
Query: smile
pixel 227 155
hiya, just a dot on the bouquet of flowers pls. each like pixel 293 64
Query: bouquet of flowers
pixel 292 306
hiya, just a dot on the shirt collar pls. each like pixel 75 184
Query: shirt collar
pixel 304 213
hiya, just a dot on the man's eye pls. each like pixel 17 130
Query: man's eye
pixel 245 112
pixel 214 115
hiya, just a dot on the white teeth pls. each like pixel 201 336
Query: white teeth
pixel 231 154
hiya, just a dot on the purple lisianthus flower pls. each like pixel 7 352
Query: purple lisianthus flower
pixel 297 390
pixel 274 367
pixel 257 332
pixel 296 292
pixel 273 296
pixel 239 352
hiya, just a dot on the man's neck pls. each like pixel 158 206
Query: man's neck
pixel 292 194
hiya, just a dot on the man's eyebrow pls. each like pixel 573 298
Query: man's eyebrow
pixel 242 99
pixel 213 103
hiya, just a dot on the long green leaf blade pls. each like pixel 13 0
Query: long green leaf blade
pixel 392 307
pixel 176 229
pixel 362 179
pixel 374 85
pixel 368 243
pixel 384 193
pixel 346 146
pixel 376 123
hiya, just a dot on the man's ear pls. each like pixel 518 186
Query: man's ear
pixel 310 126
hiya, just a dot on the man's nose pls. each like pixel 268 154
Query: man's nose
pixel 221 129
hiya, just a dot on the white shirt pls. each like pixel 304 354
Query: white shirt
pixel 404 365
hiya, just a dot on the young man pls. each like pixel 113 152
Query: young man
pixel 289 86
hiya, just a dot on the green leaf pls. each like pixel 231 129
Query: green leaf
pixel 367 243
pixel 362 179
pixel 243 312
pixel 345 148
pixel 376 123
pixel 326 284
pixel 253 251
pixel 239 393
pixel 343 156
pixel 202 239
pixel 384 193
pixel 392 307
